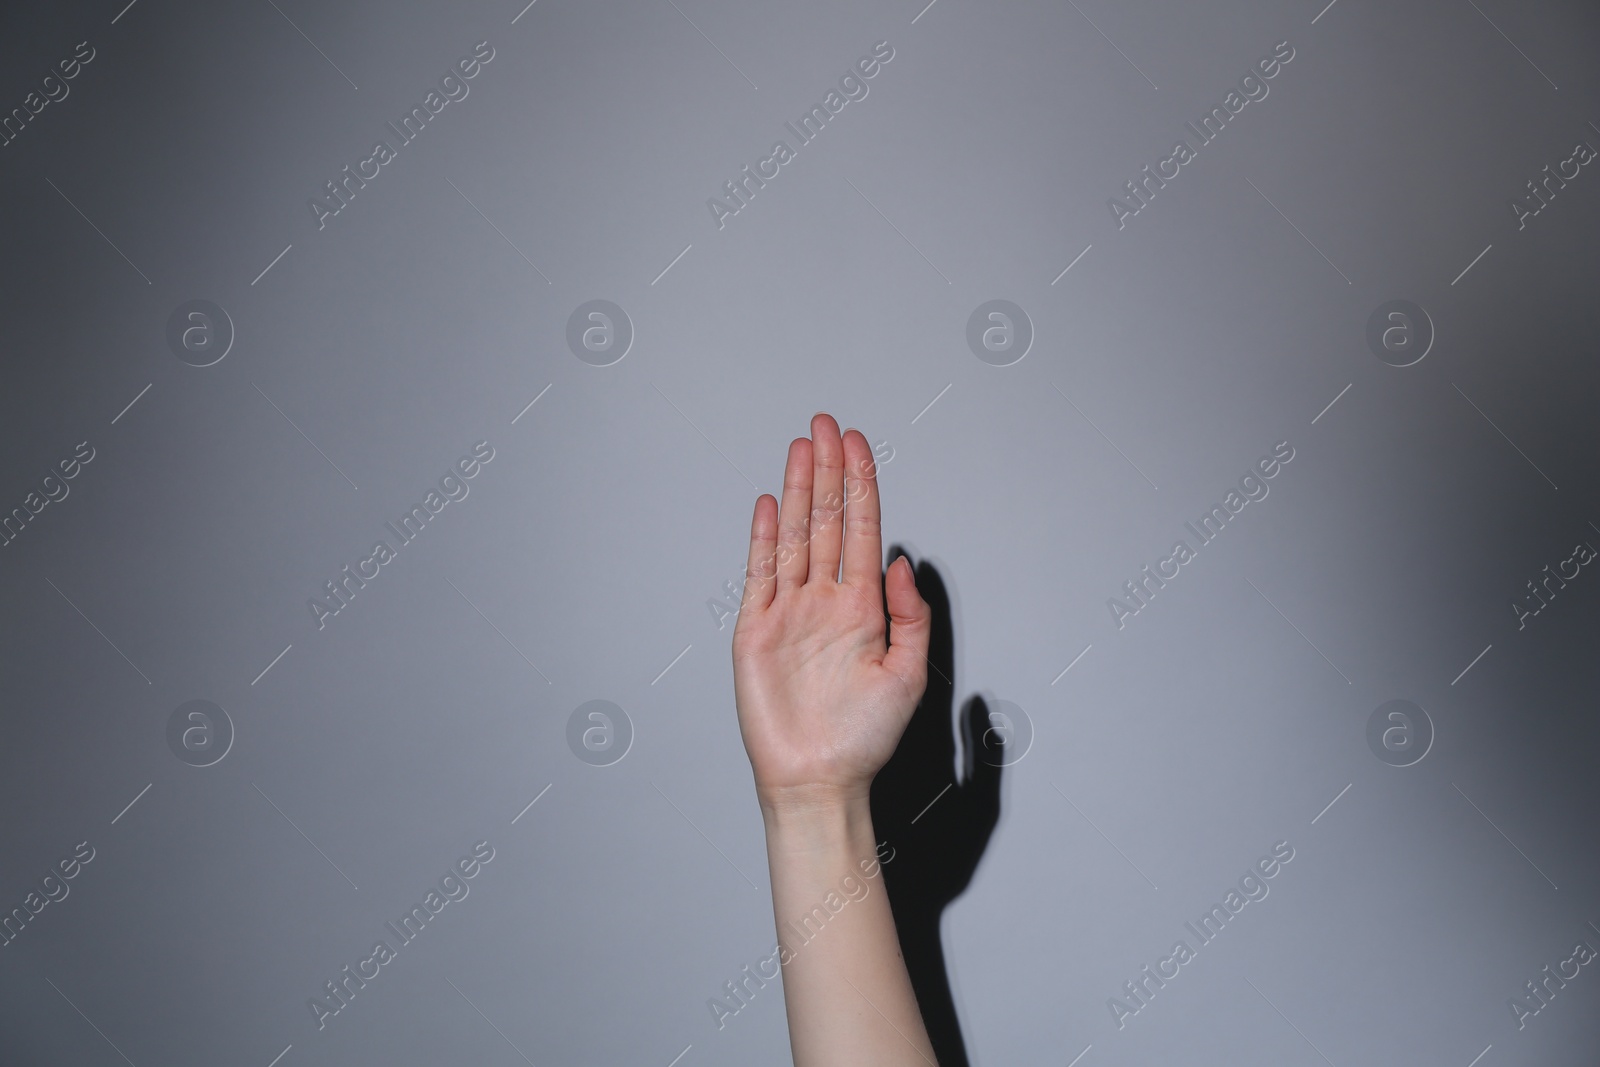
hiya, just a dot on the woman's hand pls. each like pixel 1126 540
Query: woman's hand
pixel 822 704
pixel 822 701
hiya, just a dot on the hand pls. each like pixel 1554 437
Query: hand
pixel 822 700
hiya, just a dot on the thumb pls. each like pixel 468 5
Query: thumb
pixel 909 625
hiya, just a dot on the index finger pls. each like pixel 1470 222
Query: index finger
pixel 863 537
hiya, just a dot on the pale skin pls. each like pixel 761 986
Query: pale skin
pixel 822 701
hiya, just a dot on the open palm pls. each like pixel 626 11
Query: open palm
pixel 822 697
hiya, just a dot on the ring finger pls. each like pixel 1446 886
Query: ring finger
pixel 794 516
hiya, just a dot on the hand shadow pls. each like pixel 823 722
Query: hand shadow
pixel 937 826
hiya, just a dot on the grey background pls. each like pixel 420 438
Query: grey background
pixel 424 317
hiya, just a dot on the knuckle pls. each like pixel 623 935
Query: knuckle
pixel 863 524
pixel 792 534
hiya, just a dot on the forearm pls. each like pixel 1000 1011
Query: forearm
pixel 845 984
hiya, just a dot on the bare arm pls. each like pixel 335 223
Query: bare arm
pixel 822 702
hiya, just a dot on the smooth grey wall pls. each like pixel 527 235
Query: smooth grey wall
pixel 357 757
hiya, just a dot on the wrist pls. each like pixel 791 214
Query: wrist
pixel 818 818
pixel 815 800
